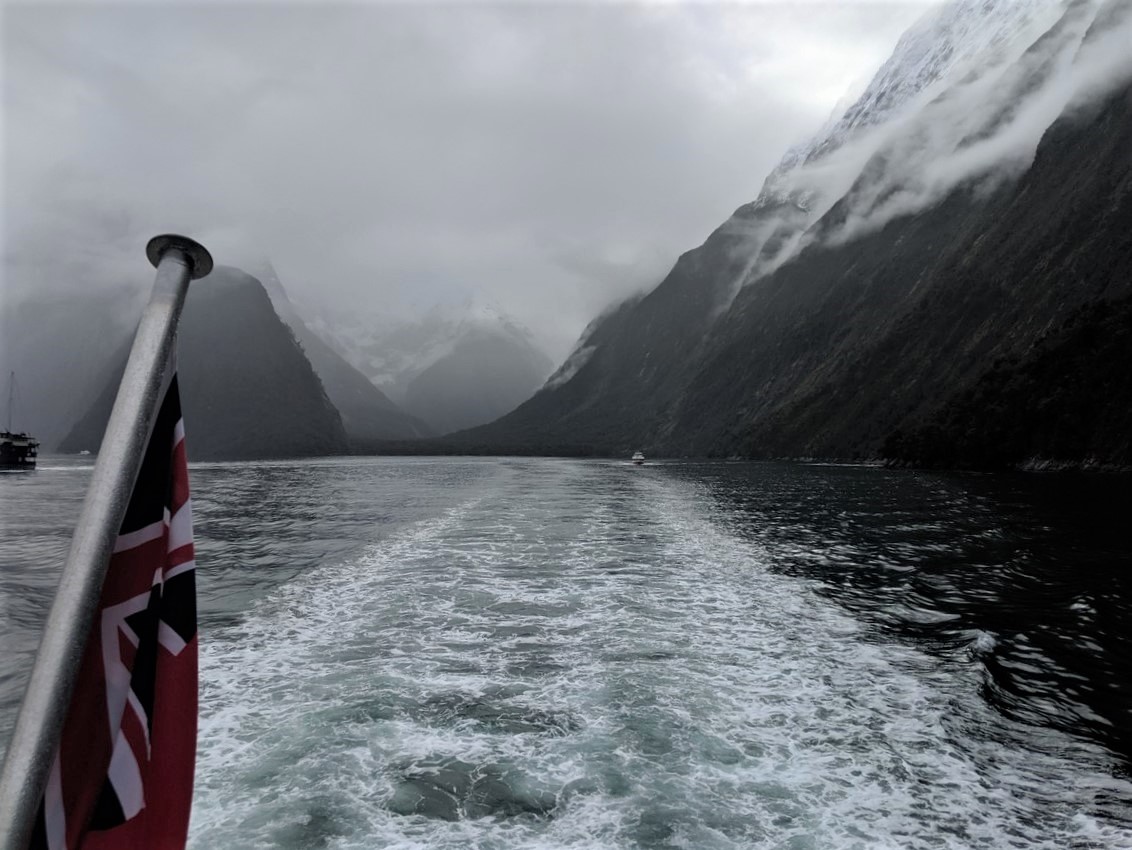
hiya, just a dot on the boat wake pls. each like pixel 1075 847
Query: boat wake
pixel 583 657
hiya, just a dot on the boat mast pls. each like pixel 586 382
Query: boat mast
pixel 11 388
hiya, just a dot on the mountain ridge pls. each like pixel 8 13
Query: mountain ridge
pixel 367 413
pixel 832 351
pixel 247 389
pixel 452 368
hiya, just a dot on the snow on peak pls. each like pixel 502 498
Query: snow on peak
pixel 946 38
pixel 392 352
pixel 955 52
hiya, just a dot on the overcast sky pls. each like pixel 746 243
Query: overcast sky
pixel 549 159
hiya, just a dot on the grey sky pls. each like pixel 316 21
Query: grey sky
pixel 547 158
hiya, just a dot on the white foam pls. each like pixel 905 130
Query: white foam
pixel 601 636
pixel 983 642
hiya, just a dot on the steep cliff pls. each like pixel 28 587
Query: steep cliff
pixel 848 343
pixel 977 196
pixel 367 413
pixel 248 390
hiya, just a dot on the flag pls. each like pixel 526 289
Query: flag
pixel 122 778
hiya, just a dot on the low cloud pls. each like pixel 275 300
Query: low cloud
pixel 549 158
pixel 979 124
pixel 988 129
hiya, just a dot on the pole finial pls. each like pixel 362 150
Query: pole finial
pixel 200 261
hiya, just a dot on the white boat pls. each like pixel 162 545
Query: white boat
pixel 638 458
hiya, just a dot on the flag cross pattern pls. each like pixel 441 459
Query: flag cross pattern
pixel 123 774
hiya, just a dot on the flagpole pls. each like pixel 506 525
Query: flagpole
pixel 47 696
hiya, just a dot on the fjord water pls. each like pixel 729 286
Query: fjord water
pixel 504 653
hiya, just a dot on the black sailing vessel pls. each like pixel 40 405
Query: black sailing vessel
pixel 18 450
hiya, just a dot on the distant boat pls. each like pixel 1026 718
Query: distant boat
pixel 18 450
pixel 638 458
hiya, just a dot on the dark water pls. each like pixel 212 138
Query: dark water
pixel 549 653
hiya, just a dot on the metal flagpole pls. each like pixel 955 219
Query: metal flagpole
pixel 48 694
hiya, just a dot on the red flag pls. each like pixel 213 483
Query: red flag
pixel 123 775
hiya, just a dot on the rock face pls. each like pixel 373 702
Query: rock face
pixel 247 389
pixel 367 413
pixel 867 312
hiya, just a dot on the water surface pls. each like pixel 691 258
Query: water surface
pixel 507 653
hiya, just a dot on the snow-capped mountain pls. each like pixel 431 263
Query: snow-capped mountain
pixel 947 39
pixel 950 224
pixel 455 367
pixel 959 42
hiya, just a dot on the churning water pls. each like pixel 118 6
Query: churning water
pixel 509 653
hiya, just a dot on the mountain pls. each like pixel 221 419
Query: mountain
pixel 1068 398
pixel 975 199
pixel 247 389
pixel 367 413
pixel 488 369
pixel 453 368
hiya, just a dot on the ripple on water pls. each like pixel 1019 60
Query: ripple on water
pixel 504 677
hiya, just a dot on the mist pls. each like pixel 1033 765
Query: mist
pixel 978 125
pixel 986 130
pixel 386 158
